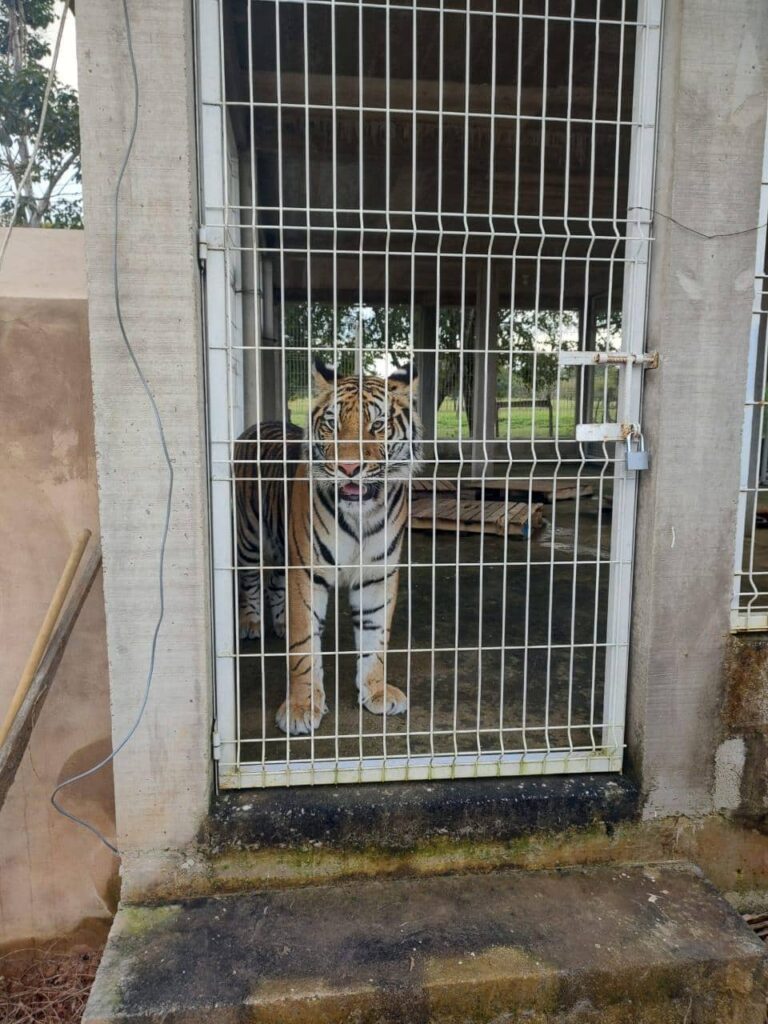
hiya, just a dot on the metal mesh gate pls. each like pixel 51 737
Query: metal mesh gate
pixel 435 212
pixel 749 606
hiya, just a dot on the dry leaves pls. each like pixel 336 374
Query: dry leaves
pixel 46 987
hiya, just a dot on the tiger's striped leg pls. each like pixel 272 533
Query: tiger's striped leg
pixel 276 598
pixel 373 604
pixel 250 604
pixel 305 705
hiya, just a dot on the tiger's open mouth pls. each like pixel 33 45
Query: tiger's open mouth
pixel 354 492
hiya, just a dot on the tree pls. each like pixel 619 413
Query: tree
pixel 544 334
pixel 381 329
pixel 51 194
pixel 516 338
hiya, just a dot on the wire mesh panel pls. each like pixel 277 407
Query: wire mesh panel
pixel 434 253
pixel 749 609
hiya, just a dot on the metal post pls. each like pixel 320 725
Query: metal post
pixel 484 366
pixel 427 366
pixel 251 403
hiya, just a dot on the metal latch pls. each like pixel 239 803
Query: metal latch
pixel 647 360
pixel 601 433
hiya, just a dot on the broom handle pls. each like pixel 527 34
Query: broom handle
pixel 44 633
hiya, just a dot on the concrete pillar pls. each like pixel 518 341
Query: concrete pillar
pixel 712 121
pixel 427 366
pixel 272 369
pixel 484 367
pixel 163 776
pixel 585 381
pixel 251 405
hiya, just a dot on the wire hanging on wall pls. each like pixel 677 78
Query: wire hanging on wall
pixel 166 456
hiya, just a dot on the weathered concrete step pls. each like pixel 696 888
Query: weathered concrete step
pixel 651 945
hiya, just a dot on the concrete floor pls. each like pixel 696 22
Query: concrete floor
pixel 462 680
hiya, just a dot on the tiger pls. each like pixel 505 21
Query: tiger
pixel 347 493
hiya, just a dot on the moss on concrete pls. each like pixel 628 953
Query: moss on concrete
pixel 735 858
pixel 745 715
pixel 646 944
pixel 745 705
pixel 137 920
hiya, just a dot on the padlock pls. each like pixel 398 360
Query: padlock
pixel 639 458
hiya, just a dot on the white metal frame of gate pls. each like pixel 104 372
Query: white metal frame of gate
pixel 749 605
pixel 235 329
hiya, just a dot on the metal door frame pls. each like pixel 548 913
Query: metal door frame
pixel 223 381
pixel 749 611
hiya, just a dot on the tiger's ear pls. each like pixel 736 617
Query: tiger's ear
pixel 322 375
pixel 405 378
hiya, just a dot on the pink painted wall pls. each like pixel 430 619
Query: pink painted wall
pixel 55 878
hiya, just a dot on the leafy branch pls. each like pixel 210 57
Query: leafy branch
pixel 51 194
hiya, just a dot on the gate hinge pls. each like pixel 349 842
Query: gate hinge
pixel 202 244
pixel 216 745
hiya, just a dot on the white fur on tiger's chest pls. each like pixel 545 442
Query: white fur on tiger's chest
pixel 351 555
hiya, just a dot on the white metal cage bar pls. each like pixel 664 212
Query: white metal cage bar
pixel 466 187
pixel 749 606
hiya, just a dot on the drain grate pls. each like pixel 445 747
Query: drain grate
pixel 759 925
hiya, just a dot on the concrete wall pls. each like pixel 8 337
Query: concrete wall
pixel 712 119
pixel 163 777
pixel 712 123
pixel 55 879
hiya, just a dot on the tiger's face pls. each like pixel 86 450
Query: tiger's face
pixel 360 436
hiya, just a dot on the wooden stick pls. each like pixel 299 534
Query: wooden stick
pixel 12 751
pixel 44 633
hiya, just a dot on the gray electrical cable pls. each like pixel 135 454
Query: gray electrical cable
pixel 161 432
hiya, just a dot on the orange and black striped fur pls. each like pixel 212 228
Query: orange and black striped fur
pixel 347 497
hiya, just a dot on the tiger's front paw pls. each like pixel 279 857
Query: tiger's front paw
pixel 250 625
pixel 384 700
pixel 302 714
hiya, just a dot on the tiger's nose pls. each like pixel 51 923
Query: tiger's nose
pixel 349 468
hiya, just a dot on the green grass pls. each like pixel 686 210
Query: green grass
pixel 520 427
pixel 299 408
pixel 448 420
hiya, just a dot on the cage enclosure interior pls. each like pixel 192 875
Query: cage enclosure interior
pixel 427 232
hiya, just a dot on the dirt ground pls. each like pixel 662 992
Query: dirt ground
pixel 46 987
